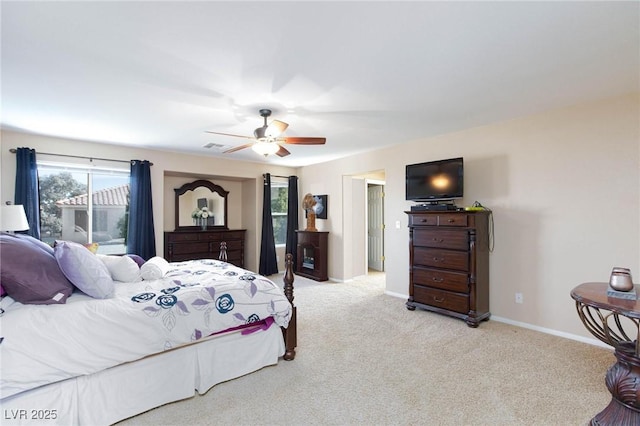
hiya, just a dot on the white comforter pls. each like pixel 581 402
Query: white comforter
pixel 43 344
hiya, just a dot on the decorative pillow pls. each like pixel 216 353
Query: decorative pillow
pixel 29 274
pixel 36 242
pixel 92 247
pixel 139 260
pixel 154 268
pixel 121 268
pixel 2 292
pixel 84 269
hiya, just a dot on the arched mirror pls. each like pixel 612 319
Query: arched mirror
pixel 190 200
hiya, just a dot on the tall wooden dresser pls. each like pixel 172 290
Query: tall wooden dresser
pixel 188 245
pixel 449 263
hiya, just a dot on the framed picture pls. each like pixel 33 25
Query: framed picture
pixel 321 206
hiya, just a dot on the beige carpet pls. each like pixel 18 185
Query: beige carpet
pixel 363 358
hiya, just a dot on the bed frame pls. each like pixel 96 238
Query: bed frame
pixel 123 391
pixel 290 333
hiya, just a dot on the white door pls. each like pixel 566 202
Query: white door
pixel 375 231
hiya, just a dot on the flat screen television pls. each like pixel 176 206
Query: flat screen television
pixel 435 181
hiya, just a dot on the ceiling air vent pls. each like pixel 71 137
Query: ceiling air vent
pixel 214 145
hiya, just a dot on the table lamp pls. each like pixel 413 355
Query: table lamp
pixel 13 218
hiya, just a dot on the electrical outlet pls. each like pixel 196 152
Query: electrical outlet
pixel 397 224
pixel 519 298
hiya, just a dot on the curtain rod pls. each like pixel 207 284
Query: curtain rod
pixel 13 151
pixel 278 176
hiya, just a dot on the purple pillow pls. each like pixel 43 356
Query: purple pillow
pixel 29 274
pixel 2 292
pixel 139 260
pixel 84 269
pixel 41 244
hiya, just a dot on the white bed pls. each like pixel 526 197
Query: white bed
pixel 210 322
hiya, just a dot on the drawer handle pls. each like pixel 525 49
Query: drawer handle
pixel 437 299
pixel 438 259
pixel 437 280
pixel 438 240
pixel 423 220
pixel 451 220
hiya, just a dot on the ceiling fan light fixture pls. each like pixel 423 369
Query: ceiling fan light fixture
pixel 265 148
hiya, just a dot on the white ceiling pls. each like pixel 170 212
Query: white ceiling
pixel 362 74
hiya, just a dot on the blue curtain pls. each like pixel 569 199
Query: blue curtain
pixel 26 191
pixel 268 260
pixel 292 220
pixel 141 239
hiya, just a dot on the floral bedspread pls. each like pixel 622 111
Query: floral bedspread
pixel 46 343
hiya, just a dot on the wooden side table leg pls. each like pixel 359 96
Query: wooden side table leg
pixel 623 381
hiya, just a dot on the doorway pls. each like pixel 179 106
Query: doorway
pixel 375 225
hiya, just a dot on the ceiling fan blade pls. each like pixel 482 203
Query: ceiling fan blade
pixel 229 134
pixel 237 148
pixel 276 128
pixel 303 141
pixel 282 152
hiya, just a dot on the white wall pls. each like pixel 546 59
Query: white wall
pixel 564 187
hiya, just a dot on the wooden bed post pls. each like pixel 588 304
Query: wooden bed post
pixel 290 333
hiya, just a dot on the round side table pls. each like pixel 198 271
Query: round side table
pixel 611 320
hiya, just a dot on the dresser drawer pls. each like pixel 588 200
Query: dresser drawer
pixel 183 236
pixel 233 235
pixel 456 240
pixel 423 220
pixel 441 299
pixel 440 258
pixel 213 236
pixel 453 219
pixel 194 248
pixel 453 281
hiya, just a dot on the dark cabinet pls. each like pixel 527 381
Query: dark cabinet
pixel 188 245
pixel 312 255
pixel 449 264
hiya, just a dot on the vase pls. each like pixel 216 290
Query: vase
pixel 203 224
pixel 621 279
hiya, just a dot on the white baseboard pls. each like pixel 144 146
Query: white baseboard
pixel 575 337
pixel 398 295
pixel 571 336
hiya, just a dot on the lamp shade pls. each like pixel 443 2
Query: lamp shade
pixel 265 148
pixel 13 218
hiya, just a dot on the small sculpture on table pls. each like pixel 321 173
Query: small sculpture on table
pixel 621 284
pixel 308 204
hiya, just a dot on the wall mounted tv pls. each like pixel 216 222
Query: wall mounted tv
pixel 435 180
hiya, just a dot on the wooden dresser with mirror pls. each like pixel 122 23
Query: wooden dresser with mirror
pixel 195 238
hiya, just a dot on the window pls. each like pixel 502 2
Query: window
pixel 68 213
pixel 279 203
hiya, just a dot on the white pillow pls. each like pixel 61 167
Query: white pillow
pixel 154 268
pixel 121 268
pixel 84 270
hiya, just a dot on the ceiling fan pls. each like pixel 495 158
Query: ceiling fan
pixel 267 139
